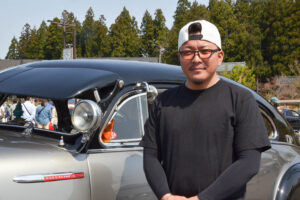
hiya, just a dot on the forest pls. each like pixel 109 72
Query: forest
pixel 263 33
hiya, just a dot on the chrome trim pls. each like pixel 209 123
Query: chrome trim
pixel 126 140
pixel 36 178
pixel 125 149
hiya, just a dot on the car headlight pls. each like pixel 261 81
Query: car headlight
pixel 86 116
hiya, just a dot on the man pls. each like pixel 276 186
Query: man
pixel 43 115
pixel 28 108
pixel 203 140
pixel 275 102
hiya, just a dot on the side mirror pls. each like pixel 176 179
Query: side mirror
pixel 151 93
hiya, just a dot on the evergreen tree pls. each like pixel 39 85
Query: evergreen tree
pixel 33 45
pixel 54 43
pixel 222 15
pixel 147 35
pixel 88 45
pixel 281 43
pixel 23 48
pixel 13 50
pixel 160 32
pixel 124 36
pixel 42 34
pixel 171 54
pixel 101 37
pixel 182 8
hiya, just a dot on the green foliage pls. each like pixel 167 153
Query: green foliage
pixel 263 33
pixel 160 32
pixel 23 47
pixel 147 35
pixel 243 75
pixel 13 50
pixel 54 43
pixel 88 44
pixel 101 38
pixel 281 42
pixel 124 39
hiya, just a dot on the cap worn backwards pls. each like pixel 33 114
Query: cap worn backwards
pixel 209 32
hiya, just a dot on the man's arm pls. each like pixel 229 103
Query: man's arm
pixel 234 177
pixel 156 176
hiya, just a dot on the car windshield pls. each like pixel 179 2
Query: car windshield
pixel 23 111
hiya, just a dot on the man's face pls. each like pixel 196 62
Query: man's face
pixel 200 70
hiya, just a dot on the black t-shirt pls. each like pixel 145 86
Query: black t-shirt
pixel 197 133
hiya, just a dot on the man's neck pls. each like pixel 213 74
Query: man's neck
pixel 203 85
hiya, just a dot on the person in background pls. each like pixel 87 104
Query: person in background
pixel 28 108
pixel 12 108
pixel 43 115
pixel 203 139
pixel 275 102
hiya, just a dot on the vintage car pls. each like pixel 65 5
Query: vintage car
pixel 94 152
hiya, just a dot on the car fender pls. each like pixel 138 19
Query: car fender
pixel 289 187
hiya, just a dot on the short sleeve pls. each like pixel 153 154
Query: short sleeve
pixel 250 130
pixel 151 128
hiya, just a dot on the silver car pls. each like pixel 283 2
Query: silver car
pixel 92 150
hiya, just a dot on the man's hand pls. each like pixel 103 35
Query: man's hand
pixel 194 198
pixel 174 197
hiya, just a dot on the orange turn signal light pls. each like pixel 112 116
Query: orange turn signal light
pixel 108 132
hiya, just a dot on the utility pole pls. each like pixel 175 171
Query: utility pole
pixel 65 25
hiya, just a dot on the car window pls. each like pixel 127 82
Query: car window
pixel 271 128
pixel 294 114
pixel 129 118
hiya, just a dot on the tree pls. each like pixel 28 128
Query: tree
pixel 54 45
pixel 243 75
pixel 180 14
pixel 124 40
pixel 180 20
pixel 13 50
pixel 222 15
pixel 281 42
pixel 147 35
pixel 160 32
pixel 88 45
pixel 23 48
pixel 42 34
pixel 101 37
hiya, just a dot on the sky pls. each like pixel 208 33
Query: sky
pixel 14 14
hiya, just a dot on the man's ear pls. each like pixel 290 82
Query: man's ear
pixel 220 57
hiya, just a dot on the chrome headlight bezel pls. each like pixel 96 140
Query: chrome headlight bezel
pixel 86 116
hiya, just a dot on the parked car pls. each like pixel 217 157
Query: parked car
pixel 94 153
pixel 293 118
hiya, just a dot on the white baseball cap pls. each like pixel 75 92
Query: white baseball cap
pixel 209 33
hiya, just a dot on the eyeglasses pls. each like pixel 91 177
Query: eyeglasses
pixel 203 53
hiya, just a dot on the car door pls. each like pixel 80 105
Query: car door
pixel 294 119
pixel 116 171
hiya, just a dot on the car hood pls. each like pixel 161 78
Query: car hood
pixel 13 142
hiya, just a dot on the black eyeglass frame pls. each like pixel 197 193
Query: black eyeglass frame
pixel 212 51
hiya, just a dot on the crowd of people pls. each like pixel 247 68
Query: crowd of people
pixel 41 114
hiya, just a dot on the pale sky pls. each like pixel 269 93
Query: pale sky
pixel 14 14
